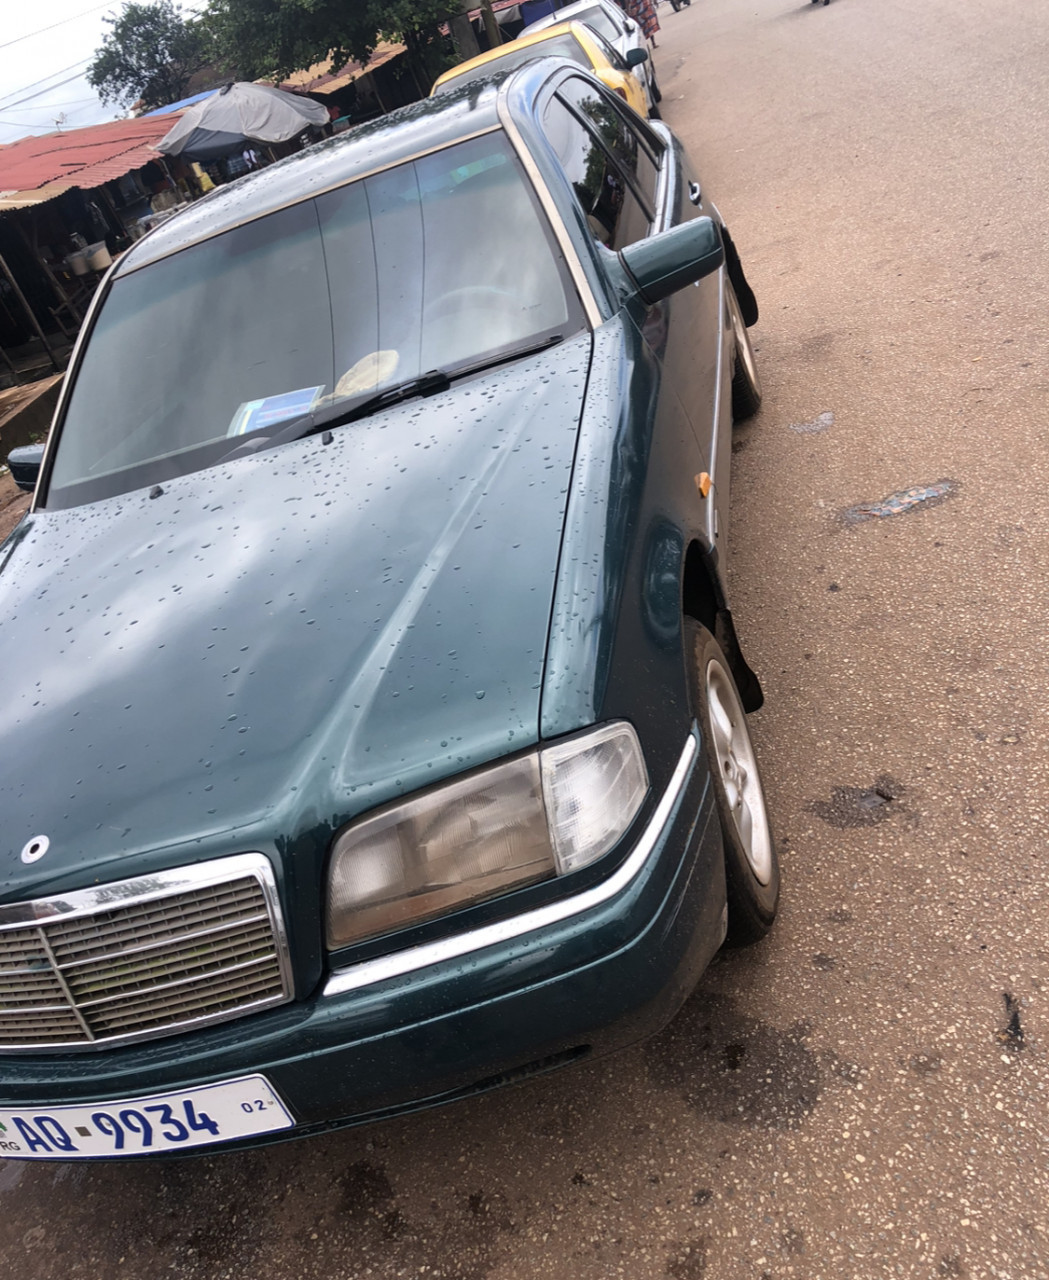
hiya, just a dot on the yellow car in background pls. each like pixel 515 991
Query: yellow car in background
pixel 573 40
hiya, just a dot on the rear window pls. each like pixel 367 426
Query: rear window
pixel 600 21
pixel 428 265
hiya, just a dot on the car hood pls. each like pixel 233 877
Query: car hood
pixel 268 647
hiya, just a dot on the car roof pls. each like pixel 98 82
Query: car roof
pixel 578 29
pixel 410 131
pixel 570 13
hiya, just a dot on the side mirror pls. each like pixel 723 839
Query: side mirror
pixel 25 465
pixel 635 57
pixel 664 263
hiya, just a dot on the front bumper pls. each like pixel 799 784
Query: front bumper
pixel 586 975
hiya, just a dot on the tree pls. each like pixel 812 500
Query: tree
pixel 149 55
pixel 279 37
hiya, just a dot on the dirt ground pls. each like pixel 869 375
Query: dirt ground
pixel 13 504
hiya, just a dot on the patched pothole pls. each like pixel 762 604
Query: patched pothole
pixel 820 423
pixel 860 806
pixel 901 502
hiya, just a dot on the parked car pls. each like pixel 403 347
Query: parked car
pixel 621 32
pixel 374 730
pixel 574 40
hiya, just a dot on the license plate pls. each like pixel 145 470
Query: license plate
pixel 139 1126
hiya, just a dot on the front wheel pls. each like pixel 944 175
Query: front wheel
pixel 746 382
pixel 751 867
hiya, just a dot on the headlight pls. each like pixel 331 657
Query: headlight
pixel 508 825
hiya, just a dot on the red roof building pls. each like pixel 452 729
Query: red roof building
pixel 33 170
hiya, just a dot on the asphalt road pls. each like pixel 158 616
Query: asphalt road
pixel 864 1094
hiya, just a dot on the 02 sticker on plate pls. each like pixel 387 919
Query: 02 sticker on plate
pixel 140 1126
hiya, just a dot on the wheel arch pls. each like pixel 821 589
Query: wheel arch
pixel 703 600
pixel 748 304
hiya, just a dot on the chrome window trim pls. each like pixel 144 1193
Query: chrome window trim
pixel 83 903
pixel 382 968
pixel 663 213
pixel 553 216
pixel 66 389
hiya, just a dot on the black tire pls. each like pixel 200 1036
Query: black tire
pixel 654 113
pixel 657 93
pixel 746 382
pixel 752 878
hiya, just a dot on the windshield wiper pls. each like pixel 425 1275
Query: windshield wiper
pixel 335 415
pixel 424 384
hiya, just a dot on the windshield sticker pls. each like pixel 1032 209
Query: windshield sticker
pixel 253 415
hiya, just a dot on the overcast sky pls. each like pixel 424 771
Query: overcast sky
pixel 44 49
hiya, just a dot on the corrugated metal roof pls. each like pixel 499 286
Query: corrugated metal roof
pixel 320 79
pixel 33 170
pixel 22 199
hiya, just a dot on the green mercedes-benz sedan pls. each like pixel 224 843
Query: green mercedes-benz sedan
pixel 374 719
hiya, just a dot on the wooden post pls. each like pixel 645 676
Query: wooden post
pixel 491 27
pixel 375 90
pixel 116 226
pixel 463 36
pixel 30 313
pixel 167 173
pixel 60 293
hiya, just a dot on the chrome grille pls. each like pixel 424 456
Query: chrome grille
pixel 142 958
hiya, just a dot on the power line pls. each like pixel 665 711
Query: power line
pixel 50 127
pixel 6 106
pixel 40 30
pixel 75 102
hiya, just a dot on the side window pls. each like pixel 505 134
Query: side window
pixel 634 155
pixel 613 212
pixel 612 54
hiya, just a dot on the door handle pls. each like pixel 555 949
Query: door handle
pixel 695 194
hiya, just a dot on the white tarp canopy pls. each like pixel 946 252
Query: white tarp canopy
pixel 236 115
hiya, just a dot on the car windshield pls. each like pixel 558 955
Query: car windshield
pixel 428 265
pixel 509 59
